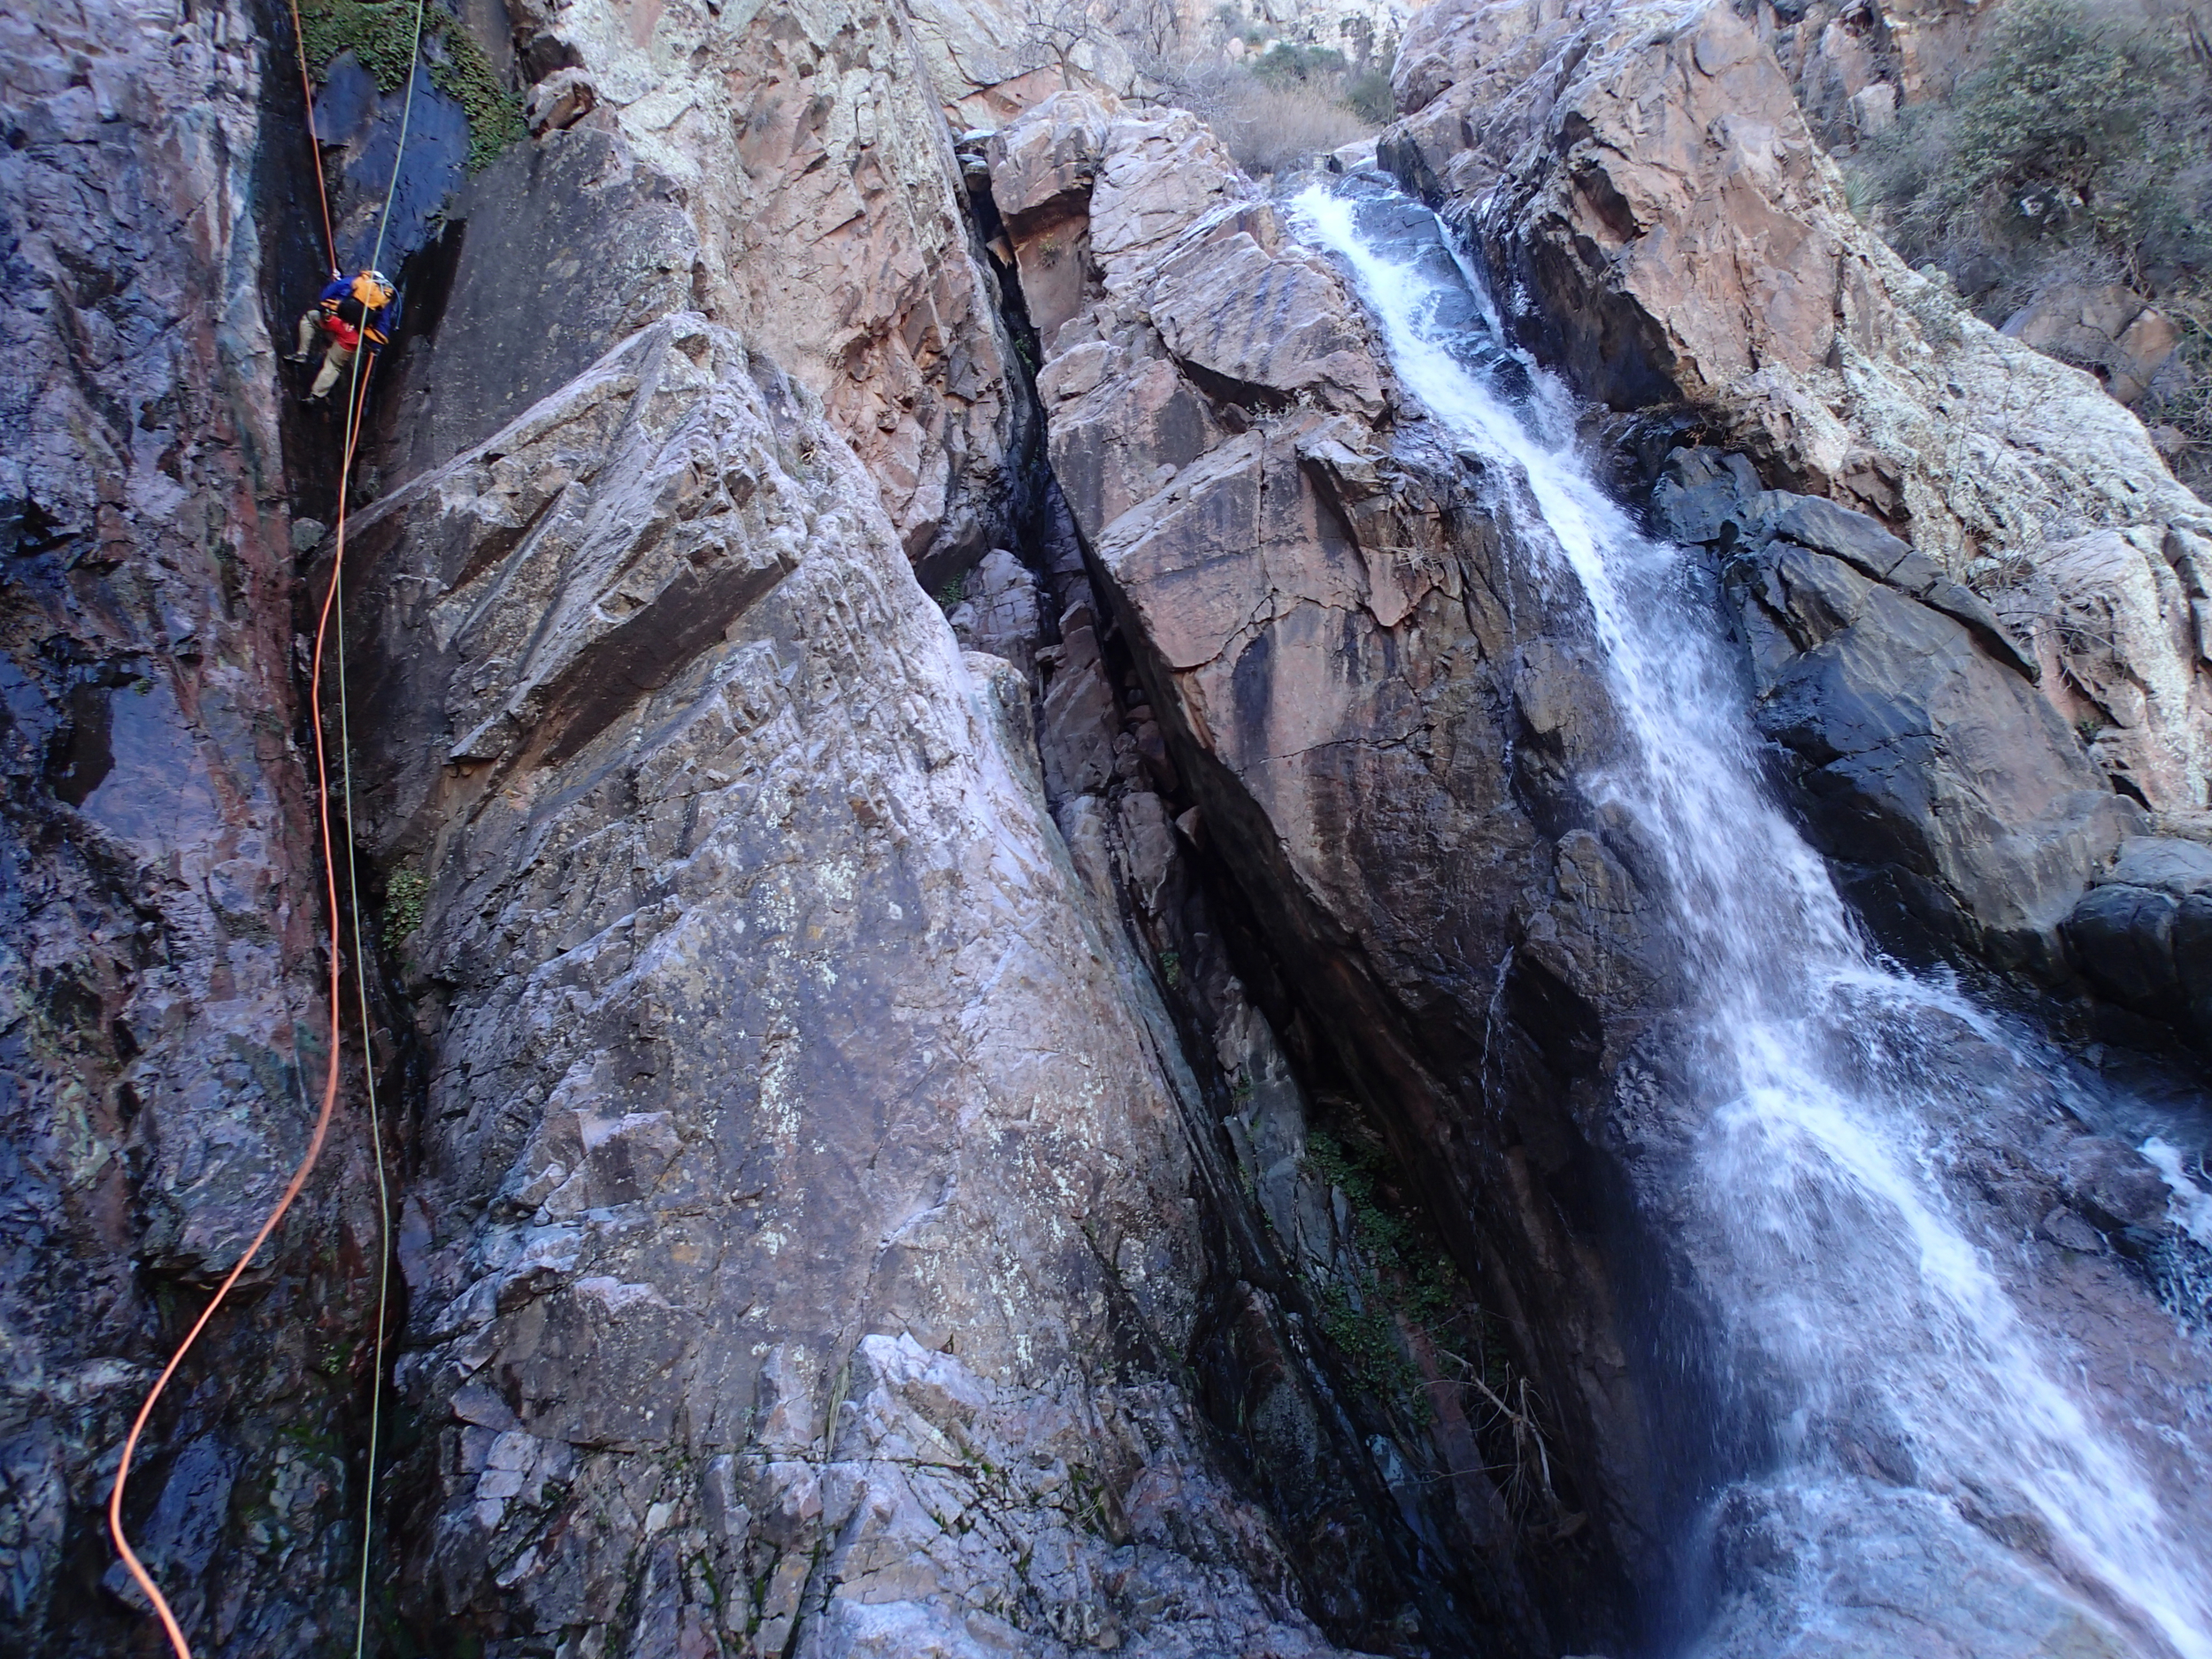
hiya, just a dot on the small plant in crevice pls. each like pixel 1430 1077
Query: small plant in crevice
pixel 1409 1286
pixel 1366 1335
pixel 1406 1279
pixel 1171 969
pixel 405 894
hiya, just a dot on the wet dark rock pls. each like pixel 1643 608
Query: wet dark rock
pixel 1958 805
pixel 2143 934
pixel 160 989
pixel 2113 1184
pixel 2068 1230
pixel 1702 493
pixel 2125 938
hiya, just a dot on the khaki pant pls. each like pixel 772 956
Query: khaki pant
pixel 337 360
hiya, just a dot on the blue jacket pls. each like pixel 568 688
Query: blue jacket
pixel 335 294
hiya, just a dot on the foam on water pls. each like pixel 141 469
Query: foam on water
pixel 1850 1273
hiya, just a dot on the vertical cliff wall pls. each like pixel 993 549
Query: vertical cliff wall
pixel 164 1032
pixel 818 1212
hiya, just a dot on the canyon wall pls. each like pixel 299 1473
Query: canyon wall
pixel 1674 237
pixel 1013 1021
pixel 166 1031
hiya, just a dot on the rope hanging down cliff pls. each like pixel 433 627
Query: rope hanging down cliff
pixel 357 398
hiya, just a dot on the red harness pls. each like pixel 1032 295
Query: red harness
pixel 344 332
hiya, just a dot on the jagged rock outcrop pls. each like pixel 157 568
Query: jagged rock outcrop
pixel 161 1012
pixel 1955 800
pixel 1645 182
pixel 1357 676
pixel 785 170
pixel 802 1255
pixel 1387 710
pixel 1856 63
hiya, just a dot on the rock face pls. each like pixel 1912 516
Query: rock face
pixel 804 1204
pixel 1134 1109
pixel 1645 182
pixel 1855 65
pixel 1954 800
pixel 2110 330
pixel 785 170
pixel 1386 708
pixel 1360 679
pixel 2143 933
pixel 162 1020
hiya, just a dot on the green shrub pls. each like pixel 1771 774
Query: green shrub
pixel 2078 128
pixel 2077 153
pixel 1284 62
pixel 1235 26
pixel 2064 96
pixel 1368 96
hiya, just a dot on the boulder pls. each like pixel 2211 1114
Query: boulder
pixel 1041 172
pixel 1159 176
pixel 1955 800
pixel 1263 319
pixel 1041 168
pixel 2120 620
pixel 2143 933
pixel 2113 332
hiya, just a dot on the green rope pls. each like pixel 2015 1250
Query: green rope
pixel 353 894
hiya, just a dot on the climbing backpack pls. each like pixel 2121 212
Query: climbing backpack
pixel 373 292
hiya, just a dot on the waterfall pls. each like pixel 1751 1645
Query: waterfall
pixel 1851 1276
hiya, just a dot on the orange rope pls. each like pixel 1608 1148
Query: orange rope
pixel 131 1561
pixel 314 140
pixel 356 398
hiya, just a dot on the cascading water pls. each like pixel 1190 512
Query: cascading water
pixel 1851 1277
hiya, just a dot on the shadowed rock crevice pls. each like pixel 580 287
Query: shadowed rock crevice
pixel 1332 626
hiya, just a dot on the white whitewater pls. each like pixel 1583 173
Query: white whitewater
pixel 1852 1276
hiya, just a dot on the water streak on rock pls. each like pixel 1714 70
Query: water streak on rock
pixel 1861 1307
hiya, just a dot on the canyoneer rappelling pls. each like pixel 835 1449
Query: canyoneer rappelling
pixel 347 315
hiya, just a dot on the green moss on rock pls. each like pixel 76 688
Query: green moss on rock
pixel 380 35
